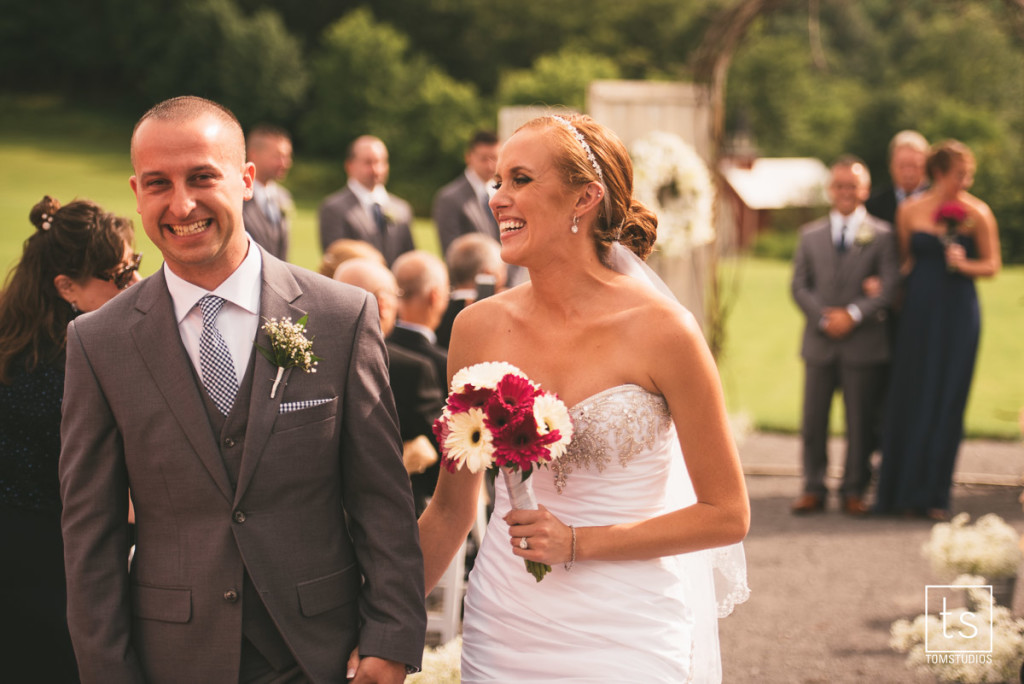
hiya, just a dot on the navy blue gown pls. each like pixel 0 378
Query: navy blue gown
pixel 932 367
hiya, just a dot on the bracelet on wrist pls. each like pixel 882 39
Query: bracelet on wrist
pixel 572 556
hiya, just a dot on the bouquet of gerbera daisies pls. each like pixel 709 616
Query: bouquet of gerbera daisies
pixel 496 416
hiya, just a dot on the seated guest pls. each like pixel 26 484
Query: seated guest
pixel 419 399
pixel 423 297
pixel 468 257
pixel 423 286
pixel 343 249
pixel 77 259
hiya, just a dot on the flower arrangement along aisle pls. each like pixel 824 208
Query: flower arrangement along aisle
pixel 496 416
pixel 989 547
pixel 961 634
pixel 441 665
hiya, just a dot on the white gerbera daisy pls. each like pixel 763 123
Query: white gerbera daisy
pixel 469 442
pixel 551 414
pixel 484 375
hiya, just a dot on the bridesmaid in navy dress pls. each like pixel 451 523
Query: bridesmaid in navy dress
pixel 947 238
pixel 78 258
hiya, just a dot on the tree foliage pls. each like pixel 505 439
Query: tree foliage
pixel 558 79
pixel 815 78
pixel 366 80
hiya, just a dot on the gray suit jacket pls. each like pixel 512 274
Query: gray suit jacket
pixel 824 278
pixel 321 519
pixel 341 216
pixel 273 238
pixel 458 211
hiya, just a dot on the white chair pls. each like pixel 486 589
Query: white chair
pixel 446 619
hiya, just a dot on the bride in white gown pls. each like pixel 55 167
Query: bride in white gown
pixel 632 529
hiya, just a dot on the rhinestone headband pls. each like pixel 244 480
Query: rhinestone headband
pixel 583 143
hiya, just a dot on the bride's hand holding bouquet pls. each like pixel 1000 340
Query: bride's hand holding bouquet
pixel 496 416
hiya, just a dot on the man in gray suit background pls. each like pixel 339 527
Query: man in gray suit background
pixel 840 259
pixel 266 213
pixel 275 529
pixel 461 206
pixel 364 209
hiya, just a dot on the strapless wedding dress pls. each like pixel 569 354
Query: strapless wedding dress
pixel 602 621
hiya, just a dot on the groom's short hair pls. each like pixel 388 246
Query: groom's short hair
pixel 188 108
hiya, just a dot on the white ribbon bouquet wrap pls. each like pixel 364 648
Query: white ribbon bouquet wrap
pixel 496 416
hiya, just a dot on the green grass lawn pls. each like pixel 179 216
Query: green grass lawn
pixel 763 374
pixel 48 151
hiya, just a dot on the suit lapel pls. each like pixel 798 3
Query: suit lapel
pixel 480 215
pixel 827 249
pixel 172 372
pixel 358 216
pixel 277 292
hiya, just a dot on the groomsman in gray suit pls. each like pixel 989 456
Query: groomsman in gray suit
pixel 845 345
pixel 461 206
pixel 275 529
pixel 364 209
pixel 266 214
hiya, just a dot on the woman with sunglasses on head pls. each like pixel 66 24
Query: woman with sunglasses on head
pixel 78 258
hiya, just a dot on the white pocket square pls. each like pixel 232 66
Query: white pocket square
pixel 289 406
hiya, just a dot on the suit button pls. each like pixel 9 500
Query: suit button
pixel 228 442
pixel 230 595
pixel 239 517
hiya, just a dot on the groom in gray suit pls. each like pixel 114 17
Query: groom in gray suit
pixel 844 276
pixel 275 524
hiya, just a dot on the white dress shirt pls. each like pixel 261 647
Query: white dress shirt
pixel 417 328
pixel 481 187
pixel 367 198
pixel 851 222
pixel 237 321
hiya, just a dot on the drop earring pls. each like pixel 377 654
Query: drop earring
pixel 575 224
pixel 74 308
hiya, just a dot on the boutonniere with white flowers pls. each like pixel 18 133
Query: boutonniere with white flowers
pixel 289 347
pixel 864 235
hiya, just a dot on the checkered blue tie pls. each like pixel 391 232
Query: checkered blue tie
pixel 215 364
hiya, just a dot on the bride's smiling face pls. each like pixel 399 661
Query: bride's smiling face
pixel 533 204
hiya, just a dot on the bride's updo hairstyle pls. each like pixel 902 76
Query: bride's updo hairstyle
pixel 946 153
pixel 620 218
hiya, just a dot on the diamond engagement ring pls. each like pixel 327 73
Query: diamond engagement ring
pixel 522 543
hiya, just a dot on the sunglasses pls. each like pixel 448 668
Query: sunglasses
pixel 123 277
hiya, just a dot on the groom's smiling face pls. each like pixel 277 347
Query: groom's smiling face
pixel 190 182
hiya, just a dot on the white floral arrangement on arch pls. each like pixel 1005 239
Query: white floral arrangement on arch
pixel 989 547
pixel 1007 639
pixel 674 182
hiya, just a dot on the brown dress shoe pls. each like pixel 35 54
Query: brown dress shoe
pixel 854 505
pixel 808 503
